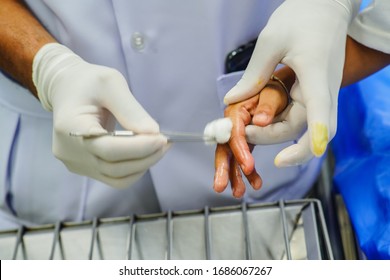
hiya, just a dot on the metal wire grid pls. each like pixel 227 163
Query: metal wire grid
pixel 280 230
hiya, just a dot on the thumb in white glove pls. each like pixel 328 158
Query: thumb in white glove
pixel 86 98
pixel 308 36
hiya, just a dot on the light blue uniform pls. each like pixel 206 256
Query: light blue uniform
pixel 372 26
pixel 172 53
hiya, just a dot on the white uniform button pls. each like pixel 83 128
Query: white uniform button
pixel 137 41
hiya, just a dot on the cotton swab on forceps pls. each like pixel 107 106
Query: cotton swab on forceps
pixel 171 136
pixel 217 131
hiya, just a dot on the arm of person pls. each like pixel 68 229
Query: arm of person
pixel 21 36
pixel 361 62
pixel 84 97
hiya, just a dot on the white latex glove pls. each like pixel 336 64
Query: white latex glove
pixel 87 98
pixel 309 36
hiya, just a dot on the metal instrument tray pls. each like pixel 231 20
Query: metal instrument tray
pixel 281 230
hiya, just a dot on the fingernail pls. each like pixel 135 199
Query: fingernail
pixel 320 138
pixel 288 157
pixel 261 118
pixel 282 161
pixel 256 183
pixel 228 97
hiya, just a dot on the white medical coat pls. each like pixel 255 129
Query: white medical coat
pixel 172 54
pixel 372 26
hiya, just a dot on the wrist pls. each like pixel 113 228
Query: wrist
pixel 286 76
pixel 48 61
pixel 277 84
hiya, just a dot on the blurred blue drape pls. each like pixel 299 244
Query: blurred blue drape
pixel 362 152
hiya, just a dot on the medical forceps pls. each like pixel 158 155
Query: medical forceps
pixel 171 136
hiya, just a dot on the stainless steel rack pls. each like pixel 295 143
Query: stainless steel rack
pixel 281 230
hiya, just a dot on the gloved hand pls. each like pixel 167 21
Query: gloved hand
pixel 308 36
pixel 86 98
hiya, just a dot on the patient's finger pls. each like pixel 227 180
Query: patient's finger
pixel 240 115
pixel 222 167
pixel 237 184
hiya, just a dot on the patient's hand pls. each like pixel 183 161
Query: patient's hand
pixel 235 157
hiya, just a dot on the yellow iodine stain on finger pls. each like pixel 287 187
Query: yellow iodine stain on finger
pixel 320 138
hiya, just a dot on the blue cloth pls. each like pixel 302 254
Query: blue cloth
pixel 362 151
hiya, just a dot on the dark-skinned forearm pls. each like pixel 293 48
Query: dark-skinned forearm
pixel 21 36
pixel 360 62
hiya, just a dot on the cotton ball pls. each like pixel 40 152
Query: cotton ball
pixel 223 130
pixel 218 131
pixel 209 133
